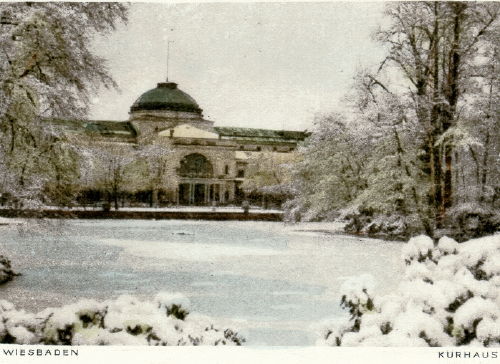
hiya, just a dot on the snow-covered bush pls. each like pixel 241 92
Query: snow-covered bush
pixel 449 295
pixel 471 220
pixel 365 222
pixel 6 272
pixel 124 321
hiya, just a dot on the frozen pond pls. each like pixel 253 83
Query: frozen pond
pixel 271 280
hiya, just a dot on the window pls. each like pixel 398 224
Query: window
pixel 226 169
pixel 241 173
pixel 195 165
pixel 259 149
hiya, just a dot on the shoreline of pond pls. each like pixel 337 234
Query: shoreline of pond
pixel 143 215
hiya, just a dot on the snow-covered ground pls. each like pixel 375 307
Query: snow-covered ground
pixel 9 221
pixel 271 280
pixel 5 221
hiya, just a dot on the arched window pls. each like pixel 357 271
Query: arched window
pixel 195 166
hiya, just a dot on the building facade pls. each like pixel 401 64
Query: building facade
pixel 206 164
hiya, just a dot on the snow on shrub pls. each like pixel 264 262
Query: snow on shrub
pixel 471 220
pixel 123 321
pixel 449 295
pixel 6 272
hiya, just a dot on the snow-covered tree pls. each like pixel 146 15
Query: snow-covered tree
pixel 267 174
pixel 47 69
pixel 156 156
pixel 329 173
pixel 428 115
pixel 435 46
pixel 114 167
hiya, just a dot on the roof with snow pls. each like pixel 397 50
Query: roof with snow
pixel 121 129
pixel 261 134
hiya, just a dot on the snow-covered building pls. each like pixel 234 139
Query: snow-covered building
pixel 206 163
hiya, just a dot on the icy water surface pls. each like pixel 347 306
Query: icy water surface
pixel 273 281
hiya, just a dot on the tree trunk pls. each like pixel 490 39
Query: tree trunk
pixel 115 198
pixel 448 180
pixel 436 127
pixel 485 167
pixel 452 98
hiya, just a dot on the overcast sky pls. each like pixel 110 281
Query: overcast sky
pixel 259 65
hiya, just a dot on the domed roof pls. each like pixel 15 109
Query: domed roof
pixel 166 96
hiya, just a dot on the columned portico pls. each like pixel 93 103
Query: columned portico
pixel 198 184
pixel 201 191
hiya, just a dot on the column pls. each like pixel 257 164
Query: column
pixel 191 193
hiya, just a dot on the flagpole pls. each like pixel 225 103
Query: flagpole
pixel 168 55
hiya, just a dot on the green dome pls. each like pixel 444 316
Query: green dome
pixel 166 96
